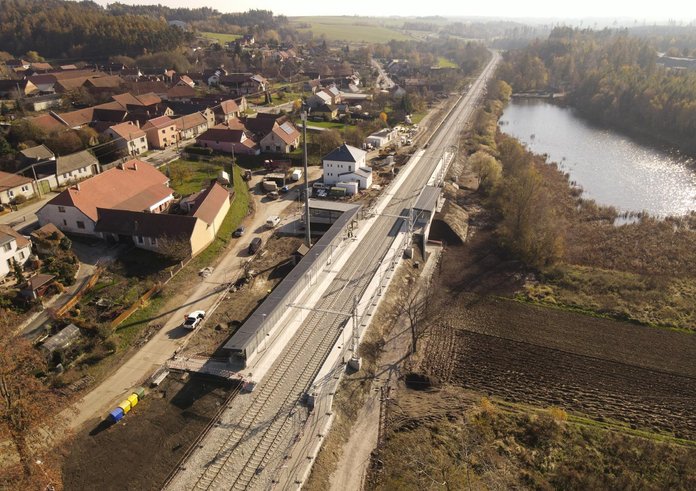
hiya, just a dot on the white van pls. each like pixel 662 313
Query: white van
pixel 272 221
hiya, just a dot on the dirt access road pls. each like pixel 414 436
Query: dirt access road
pixel 171 336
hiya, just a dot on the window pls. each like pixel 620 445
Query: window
pixel 153 241
pixel 61 209
pixel 80 224
pixel 7 247
pixel 25 188
pixel 65 176
pixel 140 239
pixel 21 254
pixel 65 223
pixel 163 131
pixel 142 139
pixel 10 193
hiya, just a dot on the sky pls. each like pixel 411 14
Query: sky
pixel 679 10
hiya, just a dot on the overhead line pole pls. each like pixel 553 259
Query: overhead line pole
pixel 306 177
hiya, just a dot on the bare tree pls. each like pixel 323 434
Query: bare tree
pixel 176 248
pixel 419 308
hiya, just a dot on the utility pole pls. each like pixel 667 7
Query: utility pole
pixel 305 110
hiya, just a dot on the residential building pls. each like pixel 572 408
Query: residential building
pixel 191 125
pixel 76 167
pixel 383 138
pixel 226 110
pixel 161 132
pixel 225 139
pixel 12 186
pixel 181 93
pixel 162 232
pixel 283 138
pixel 347 164
pixel 13 247
pixel 133 186
pixel 129 138
pixel 65 170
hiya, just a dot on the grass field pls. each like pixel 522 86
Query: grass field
pixel 443 62
pixel 351 29
pixel 221 37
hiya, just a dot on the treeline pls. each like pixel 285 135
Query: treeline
pixel 162 11
pixel 467 55
pixel 611 77
pixel 63 29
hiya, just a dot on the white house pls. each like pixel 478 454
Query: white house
pixel 76 167
pixel 13 186
pixel 347 164
pixel 13 247
pixel 134 186
pixel 129 137
pixel 382 138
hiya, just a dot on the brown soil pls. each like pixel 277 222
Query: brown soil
pixel 270 268
pixel 642 376
pixel 140 450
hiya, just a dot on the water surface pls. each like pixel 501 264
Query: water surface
pixel 612 169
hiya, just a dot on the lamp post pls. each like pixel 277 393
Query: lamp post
pixel 305 111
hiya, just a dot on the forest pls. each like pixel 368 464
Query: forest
pixel 612 77
pixel 60 29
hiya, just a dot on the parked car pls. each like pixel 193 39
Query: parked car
pixel 285 189
pixel 255 245
pixel 239 231
pixel 192 320
pixel 272 221
pixel 273 195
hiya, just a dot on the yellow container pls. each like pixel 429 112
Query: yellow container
pixel 126 406
pixel 133 399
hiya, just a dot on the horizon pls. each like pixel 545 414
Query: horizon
pixel 541 11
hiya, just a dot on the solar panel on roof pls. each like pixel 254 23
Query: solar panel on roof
pixel 287 127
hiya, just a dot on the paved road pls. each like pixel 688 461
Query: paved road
pixel 383 80
pixel 245 450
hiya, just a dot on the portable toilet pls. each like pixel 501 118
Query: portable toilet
pixel 126 406
pixel 133 399
pixel 116 415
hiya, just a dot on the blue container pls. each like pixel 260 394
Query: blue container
pixel 116 415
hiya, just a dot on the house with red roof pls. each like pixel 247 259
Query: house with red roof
pixel 13 247
pixel 12 186
pixel 161 132
pixel 158 232
pixel 133 186
pixel 225 139
pixel 129 137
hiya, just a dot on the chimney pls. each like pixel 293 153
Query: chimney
pixel 135 166
pixel 77 186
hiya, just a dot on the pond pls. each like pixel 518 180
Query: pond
pixel 611 168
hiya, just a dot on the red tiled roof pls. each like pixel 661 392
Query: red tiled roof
pixel 21 240
pixel 181 91
pixel 229 107
pixel 208 204
pixel 48 123
pixel 127 131
pixel 190 121
pixel 135 187
pixel 287 132
pixel 160 122
pixel 80 117
pixel 9 181
pixel 125 222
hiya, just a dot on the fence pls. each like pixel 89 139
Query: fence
pixel 60 312
pixel 136 305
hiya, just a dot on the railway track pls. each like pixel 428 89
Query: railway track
pixel 245 442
